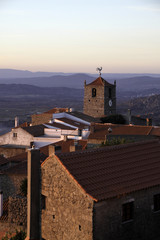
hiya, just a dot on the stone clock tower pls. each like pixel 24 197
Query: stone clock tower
pixel 99 98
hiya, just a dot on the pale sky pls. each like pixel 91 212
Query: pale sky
pixel 122 36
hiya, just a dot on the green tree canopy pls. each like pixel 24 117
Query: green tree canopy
pixel 115 118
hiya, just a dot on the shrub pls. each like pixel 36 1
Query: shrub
pixel 115 141
pixel 115 119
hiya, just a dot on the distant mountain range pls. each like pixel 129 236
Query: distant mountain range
pixel 147 106
pixel 22 90
pixel 24 100
pixel 137 84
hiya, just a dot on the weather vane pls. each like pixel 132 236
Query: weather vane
pixel 99 70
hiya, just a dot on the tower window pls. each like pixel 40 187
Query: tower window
pixel 93 92
pixel 110 92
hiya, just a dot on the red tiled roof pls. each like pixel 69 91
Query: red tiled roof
pixel 57 110
pixel 112 171
pixel 15 160
pixel 25 124
pixel 18 158
pixel 155 131
pixel 36 131
pixel 21 166
pixel 100 130
pixel 100 81
pixel 18 169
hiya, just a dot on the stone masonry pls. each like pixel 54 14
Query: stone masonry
pixel 68 211
pixel 98 104
pixel 10 184
pixel 17 210
pixel 41 118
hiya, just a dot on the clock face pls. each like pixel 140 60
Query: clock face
pixel 110 103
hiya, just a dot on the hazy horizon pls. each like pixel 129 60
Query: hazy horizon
pixel 74 72
pixel 78 36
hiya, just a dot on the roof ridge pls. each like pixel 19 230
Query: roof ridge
pixel 109 148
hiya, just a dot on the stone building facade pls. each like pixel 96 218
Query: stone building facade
pixel 67 211
pixel 99 98
pixel 96 194
pixel 144 225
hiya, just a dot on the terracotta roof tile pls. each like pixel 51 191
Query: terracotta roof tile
pixel 155 131
pixel 18 158
pixel 57 110
pixel 100 130
pixel 111 171
pixel 18 169
pixel 100 81
pixel 21 167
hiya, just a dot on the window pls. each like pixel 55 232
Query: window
pixel 156 200
pixel 14 135
pixel 93 92
pixel 127 211
pixel 43 201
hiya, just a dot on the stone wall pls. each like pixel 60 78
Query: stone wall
pixel 94 106
pixel 110 109
pixel 10 184
pixel 145 224
pixel 17 210
pixel 98 106
pixel 41 118
pixel 68 210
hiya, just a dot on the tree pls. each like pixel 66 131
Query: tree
pixel 114 118
pixel 115 141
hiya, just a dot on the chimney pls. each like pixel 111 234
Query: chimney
pixel 1 203
pixel 72 148
pixel 65 138
pixel 51 150
pixel 16 121
pixel 33 196
pixel 129 116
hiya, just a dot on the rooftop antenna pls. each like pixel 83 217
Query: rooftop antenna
pixel 99 69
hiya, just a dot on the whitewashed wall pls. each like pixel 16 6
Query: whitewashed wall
pixel 23 138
